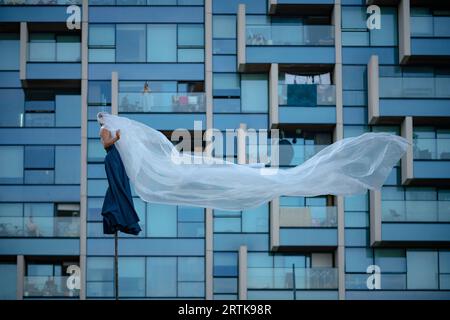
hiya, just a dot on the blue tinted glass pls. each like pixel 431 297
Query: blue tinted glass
pixel 444 262
pixel 224 26
pixel 39 157
pixel 191 269
pixel 227 224
pixel 354 17
pixel 356 203
pixel 256 220
pixel 68 48
pixel 130 46
pixel 191 229
pixel 356 219
pixel 190 35
pixel 12 105
pixel 358 259
pixel 225 264
pixel 422 269
pixel 254 96
pixel 68 110
pixel 161 277
pixel 99 92
pixel 161 220
pixel 102 55
pixel 190 214
pixel 39 176
pixel 191 289
pixel 191 55
pixel 131 277
pixel 161 43
pixel 9 52
pixel 11 164
pixel 355 38
pixel 387 35
pixel 100 269
pixel 8 279
pixel 67 164
pixel 42 47
pixel 225 285
pixel 96 152
pixel 102 35
pixel 391 260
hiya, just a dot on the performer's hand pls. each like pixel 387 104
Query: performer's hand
pixel 117 135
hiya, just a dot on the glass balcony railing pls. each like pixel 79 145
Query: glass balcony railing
pixel 40 227
pixel 54 52
pixel 162 102
pixel 306 95
pixel 289 34
pixel 415 211
pixel 284 278
pixel 39 2
pixel 308 216
pixel 395 87
pixel 48 286
pixel 431 149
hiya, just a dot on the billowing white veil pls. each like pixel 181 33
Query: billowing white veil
pixel 347 167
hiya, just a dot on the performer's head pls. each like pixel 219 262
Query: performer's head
pixel 100 118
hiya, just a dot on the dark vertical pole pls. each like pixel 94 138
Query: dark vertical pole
pixel 116 268
pixel 294 286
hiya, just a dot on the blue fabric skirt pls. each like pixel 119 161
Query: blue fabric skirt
pixel 118 209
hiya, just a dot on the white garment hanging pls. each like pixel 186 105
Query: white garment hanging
pixel 158 174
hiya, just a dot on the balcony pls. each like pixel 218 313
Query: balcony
pixel 261 42
pixel 431 159
pixel 48 287
pixel 162 102
pixel 410 222
pixel 291 282
pixel 426 99
pixel 307 228
pixel 39 227
pixel 307 103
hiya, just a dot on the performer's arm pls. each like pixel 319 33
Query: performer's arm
pixel 107 139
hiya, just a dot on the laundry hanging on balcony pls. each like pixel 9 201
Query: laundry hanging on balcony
pixel 160 173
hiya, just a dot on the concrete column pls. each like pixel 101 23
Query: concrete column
pixel 375 217
pixel 114 92
pixel 20 264
pixel 83 148
pixel 373 95
pixel 23 51
pixel 274 207
pixel 404 31
pixel 273 95
pixel 407 161
pixel 336 20
pixel 208 66
pixel 272 4
pixel 241 38
pixel 209 251
pixel 242 272
pixel 241 145
pixel 340 254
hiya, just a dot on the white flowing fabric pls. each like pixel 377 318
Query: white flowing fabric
pixel 347 167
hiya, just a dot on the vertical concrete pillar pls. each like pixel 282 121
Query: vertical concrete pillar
pixel 274 207
pixel 20 264
pixel 375 217
pixel 373 95
pixel 241 38
pixel 114 92
pixel 209 251
pixel 273 95
pixel 407 162
pixel 83 147
pixel 208 66
pixel 23 51
pixel 404 31
pixel 242 272
pixel 241 145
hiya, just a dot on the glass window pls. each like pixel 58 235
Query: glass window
pixel 67 164
pixel 356 219
pixel 42 47
pixel 355 38
pixel 391 260
pixel 99 92
pixel 102 55
pixel 161 277
pixel 68 110
pixel 225 263
pixel 131 277
pixel 224 26
pixel 259 260
pixel 358 259
pixel 444 262
pixel 256 220
pixel 96 152
pixel 9 51
pixel 100 269
pixel 191 269
pixel 227 224
pixel 130 46
pixel 190 35
pixel 354 17
pixel 12 107
pixel 191 289
pixel 68 48
pixel 226 81
pixel 161 43
pixel 254 96
pixel 191 55
pixel 102 35
pixel 11 164
pixel 422 269
pixel 161 220
pixel 387 35
pixel 190 214
pixel 39 157
pixel 8 279
pixel 225 285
